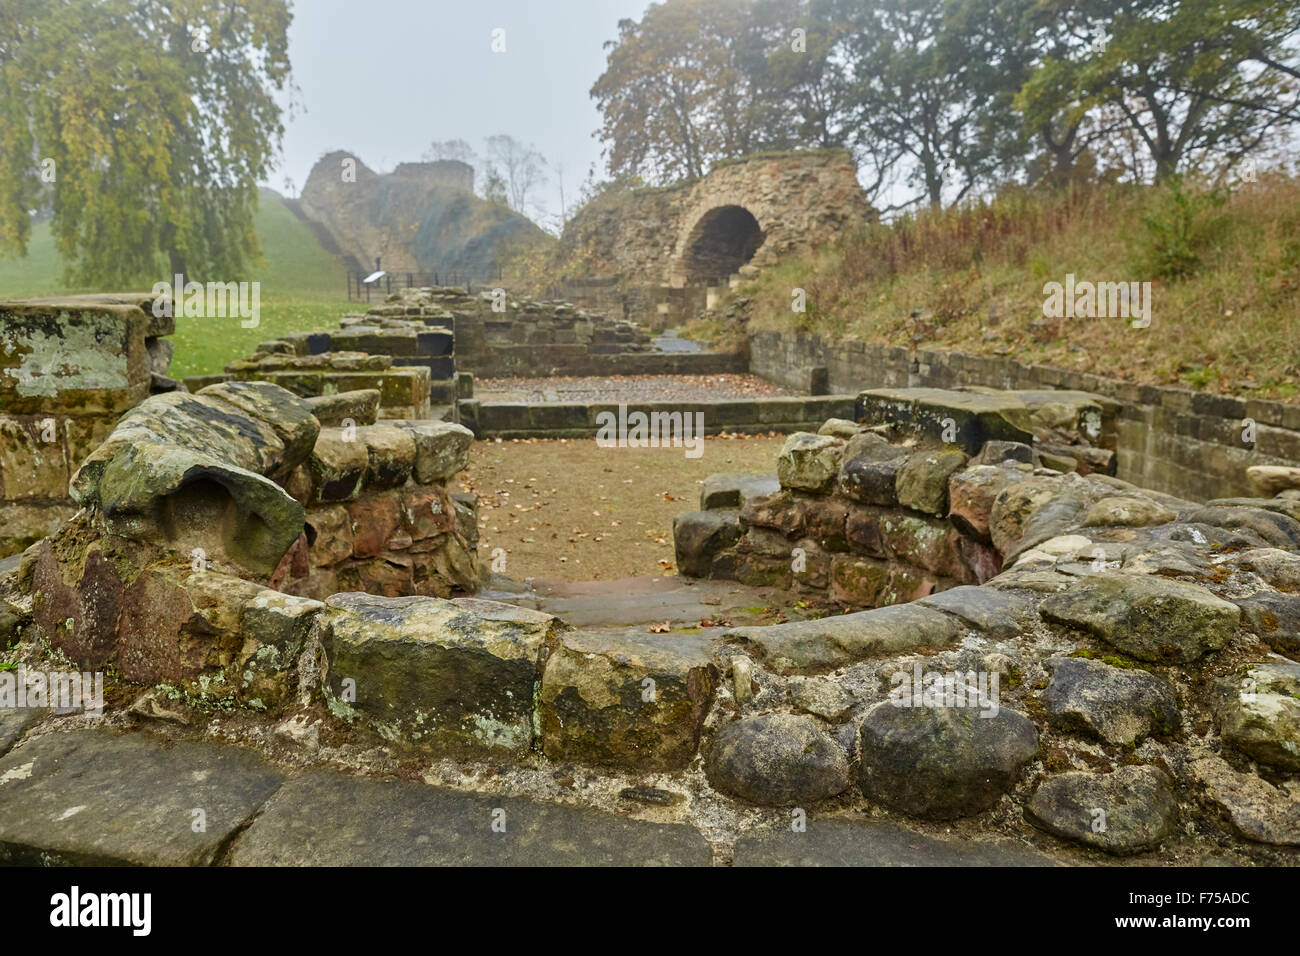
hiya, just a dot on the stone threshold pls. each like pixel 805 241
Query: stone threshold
pixel 580 419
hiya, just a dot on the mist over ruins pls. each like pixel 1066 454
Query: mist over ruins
pixel 871 439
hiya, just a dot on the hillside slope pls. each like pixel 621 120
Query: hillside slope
pixel 294 260
pixel 421 217
pixel 303 287
pixel 1224 271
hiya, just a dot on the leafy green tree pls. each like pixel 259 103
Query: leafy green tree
pixel 689 84
pixel 1176 74
pixel 151 120
pixel 807 70
pixel 934 90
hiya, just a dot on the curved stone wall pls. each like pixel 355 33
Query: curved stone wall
pixel 1126 670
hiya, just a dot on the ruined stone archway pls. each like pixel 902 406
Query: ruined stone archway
pixel 721 241
pixel 644 240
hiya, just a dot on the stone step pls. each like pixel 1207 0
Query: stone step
pixel 97 798
pixel 877 843
pixel 325 818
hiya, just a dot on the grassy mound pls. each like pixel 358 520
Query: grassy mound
pixel 1224 269
pixel 303 287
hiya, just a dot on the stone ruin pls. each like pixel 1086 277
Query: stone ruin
pixel 68 367
pixel 521 336
pixel 660 254
pixel 208 522
pixel 875 524
pixel 1143 648
pixel 422 348
pixel 1041 640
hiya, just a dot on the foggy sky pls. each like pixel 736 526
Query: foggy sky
pixel 384 78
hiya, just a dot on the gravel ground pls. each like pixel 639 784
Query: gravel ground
pixel 625 388
pixel 569 509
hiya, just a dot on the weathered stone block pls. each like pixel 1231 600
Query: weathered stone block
pixel 289 417
pixel 1151 618
pixel 329 535
pixel 869 469
pixel 777 760
pixel 33 460
pixel 1116 705
pixel 779 511
pixel 923 542
pixel 809 462
pixel 1138 804
pixel 338 465
pixel 699 536
pixel 433 672
pixel 375 518
pixel 128 800
pixel 942 762
pixel 733 489
pixel 1260 713
pixel 801 646
pixel 633 700
pixel 360 407
pixel 971 494
pixel 922 481
pixel 967 419
pixel 441 450
pixel 860 582
pixel 862 529
pixel 427 511
pixel 390 454
pixel 73 355
pixel 388 575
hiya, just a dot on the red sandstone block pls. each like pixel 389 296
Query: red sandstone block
pixel 374 519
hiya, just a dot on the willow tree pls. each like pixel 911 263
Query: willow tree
pixel 146 125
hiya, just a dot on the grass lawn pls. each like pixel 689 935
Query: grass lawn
pixel 302 288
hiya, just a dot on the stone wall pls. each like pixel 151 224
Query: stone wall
pixel 1176 440
pixel 743 216
pixel 1136 654
pixel 799 199
pixel 207 520
pixel 532 338
pixel 403 390
pixel 70 366
pixel 304 364
pixel 379 516
pixel 902 502
pixel 578 420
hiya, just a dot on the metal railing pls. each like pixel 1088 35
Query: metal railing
pixel 361 290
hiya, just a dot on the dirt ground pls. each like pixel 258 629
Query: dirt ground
pixel 570 509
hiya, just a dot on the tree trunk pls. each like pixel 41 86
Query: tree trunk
pixel 177 262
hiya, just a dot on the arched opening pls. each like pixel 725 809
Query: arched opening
pixel 722 241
